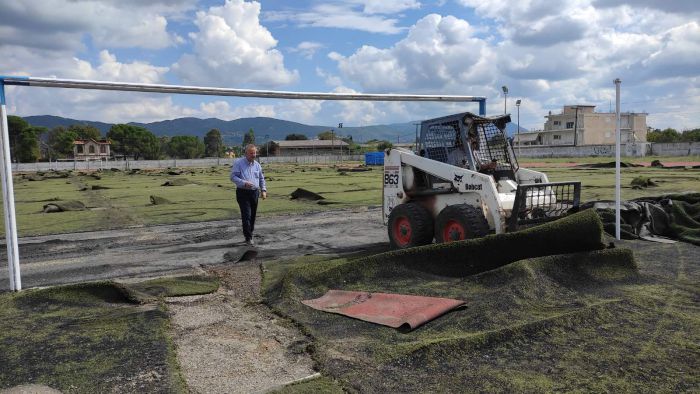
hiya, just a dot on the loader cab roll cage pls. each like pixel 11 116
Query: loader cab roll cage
pixel 469 141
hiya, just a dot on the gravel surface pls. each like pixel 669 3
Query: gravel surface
pixel 228 342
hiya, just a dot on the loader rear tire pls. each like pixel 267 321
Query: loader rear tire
pixel 410 225
pixel 461 221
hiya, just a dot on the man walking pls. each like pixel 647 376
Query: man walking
pixel 248 176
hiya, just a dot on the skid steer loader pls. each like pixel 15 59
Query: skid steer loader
pixel 465 182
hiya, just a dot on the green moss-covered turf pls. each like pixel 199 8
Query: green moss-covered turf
pixel 93 337
pixel 172 287
pixel 590 321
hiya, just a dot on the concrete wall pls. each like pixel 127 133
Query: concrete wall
pixel 634 150
pixel 131 164
pixel 676 149
pixel 639 149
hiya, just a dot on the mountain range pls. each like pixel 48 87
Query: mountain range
pixel 264 128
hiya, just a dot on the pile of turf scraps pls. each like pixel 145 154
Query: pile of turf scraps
pixel 610 164
pixel 303 194
pixel 63 206
pixel 153 289
pixel 588 321
pixel 93 337
pixel 178 182
pixel 670 216
pixel 642 182
pixel 156 200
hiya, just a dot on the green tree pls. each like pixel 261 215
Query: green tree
pixel 384 145
pixel 249 137
pixel 213 143
pixel 666 135
pixel 186 147
pixel 61 141
pixel 691 135
pixel 135 141
pixel 268 149
pixel 15 126
pixel 327 135
pixel 295 137
pixel 28 144
pixel 85 131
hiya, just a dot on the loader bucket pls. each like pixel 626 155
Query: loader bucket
pixel 537 203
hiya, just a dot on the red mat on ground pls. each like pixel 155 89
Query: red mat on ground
pixel 393 310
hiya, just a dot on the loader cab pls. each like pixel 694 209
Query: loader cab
pixel 470 141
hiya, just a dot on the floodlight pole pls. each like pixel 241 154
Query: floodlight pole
pixel 8 196
pixel 617 82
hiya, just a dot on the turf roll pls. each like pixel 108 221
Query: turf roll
pixel 579 232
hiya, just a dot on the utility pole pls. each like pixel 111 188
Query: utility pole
pixel 517 104
pixel 576 126
pixel 505 99
pixel 617 82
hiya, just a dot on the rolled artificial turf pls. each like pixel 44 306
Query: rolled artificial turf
pixel 579 232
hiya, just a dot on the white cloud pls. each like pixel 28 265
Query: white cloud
pixel 107 24
pixel 232 49
pixel 338 16
pixel 222 110
pixel 78 103
pixel 307 49
pixel 388 6
pixel 439 54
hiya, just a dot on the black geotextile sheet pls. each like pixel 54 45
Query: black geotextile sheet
pixel 587 318
pixel 673 216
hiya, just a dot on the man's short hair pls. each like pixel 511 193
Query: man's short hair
pixel 250 146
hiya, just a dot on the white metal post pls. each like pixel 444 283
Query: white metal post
pixel 617 82
pixel 8 197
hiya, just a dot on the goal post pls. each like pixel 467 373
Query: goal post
pixel 5 161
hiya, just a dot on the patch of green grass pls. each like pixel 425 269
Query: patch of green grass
pixel 86 338
pixel 125 199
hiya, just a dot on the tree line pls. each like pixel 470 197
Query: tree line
pixel 33 143
pixel 672 135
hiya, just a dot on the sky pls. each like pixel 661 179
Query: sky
pixel 548 54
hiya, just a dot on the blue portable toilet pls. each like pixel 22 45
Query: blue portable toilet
pixel 374 158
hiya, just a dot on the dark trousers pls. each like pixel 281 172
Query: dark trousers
pixel 248 202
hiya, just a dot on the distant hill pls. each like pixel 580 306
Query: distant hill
pixel 233 130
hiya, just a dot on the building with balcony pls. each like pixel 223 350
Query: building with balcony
pixel 580 125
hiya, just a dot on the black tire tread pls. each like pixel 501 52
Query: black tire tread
pixel 421 223
pixel 472 217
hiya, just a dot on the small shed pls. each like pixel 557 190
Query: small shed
pixel 90 149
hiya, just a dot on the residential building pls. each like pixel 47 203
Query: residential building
pixel 580 125
pixel 90 149
pixel 309 147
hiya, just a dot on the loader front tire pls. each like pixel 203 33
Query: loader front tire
pixel 410 225
pixel 461 221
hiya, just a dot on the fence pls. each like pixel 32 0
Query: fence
pixel 124 165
